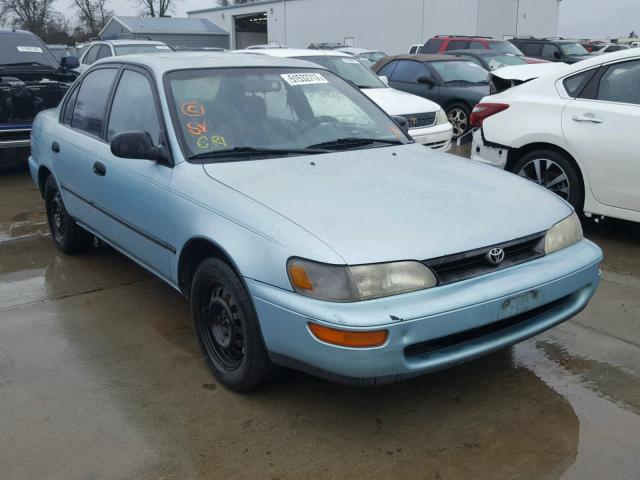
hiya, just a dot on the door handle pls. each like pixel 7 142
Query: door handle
pixel 587 118
pixel 55 146
pixel 99 169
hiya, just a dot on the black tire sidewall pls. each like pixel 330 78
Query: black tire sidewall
pixel 75 239
pixel 255 366
pixel 576 192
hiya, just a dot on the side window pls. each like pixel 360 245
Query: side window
pixel 67 114
pixel 134 107
pixel 533 49
pixel 575 84
pixel 477 46
pixel 88 113
pixel 432 46
pixel 458 45
pixel 104 52
pixel 621 83
pixel 387 70
pixel 91 55
pixel 409 71
pixel 549 51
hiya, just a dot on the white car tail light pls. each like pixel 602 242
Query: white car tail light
pixel 482 111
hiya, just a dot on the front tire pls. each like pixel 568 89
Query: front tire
pixel 227 327
pixel 66 234
pixel 459 118
pixel 553 171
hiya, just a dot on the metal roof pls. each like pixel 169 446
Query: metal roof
pixel 257 3
pixel 168 25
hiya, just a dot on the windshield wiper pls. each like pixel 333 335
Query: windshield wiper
pixel 251 151
pixel 350 142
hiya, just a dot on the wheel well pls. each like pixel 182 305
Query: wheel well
pixel 517 153
pixel 193 253
pixel 43 174
pixel 451 103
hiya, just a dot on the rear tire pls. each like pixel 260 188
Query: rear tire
pixel 67 235
pixel 555 172
pixel 227 327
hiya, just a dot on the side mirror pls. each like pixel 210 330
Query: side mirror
pixel 557 55
pixel 138 145
pixel 69 62
pixel 401 122
pixel 384 79
pixel 425 80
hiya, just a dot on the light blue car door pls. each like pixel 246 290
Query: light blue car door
pixel 133 192
pixel 79 145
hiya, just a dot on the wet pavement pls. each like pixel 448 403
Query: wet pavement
pixel 101 378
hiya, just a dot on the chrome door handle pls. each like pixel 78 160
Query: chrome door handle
pixel 587 118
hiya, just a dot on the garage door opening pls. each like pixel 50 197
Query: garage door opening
pixel 251 30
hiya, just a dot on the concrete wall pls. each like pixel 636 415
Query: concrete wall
pixel 391 26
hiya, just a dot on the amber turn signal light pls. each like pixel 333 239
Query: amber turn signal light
pixel 299 277
pixel 349 338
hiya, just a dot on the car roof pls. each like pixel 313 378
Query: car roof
pixel 295 52
pixel 130 42
pixel 596 60
pixel 355 51
pixel 478 52
pixel 422 57
pixel 163 62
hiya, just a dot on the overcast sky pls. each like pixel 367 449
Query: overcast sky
pixel 578 18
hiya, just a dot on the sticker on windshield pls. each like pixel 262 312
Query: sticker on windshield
pixel 295 79
pixel 29 49
pixel 349 60
pixel 162 47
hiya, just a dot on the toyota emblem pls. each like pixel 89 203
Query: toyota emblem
pixel 495 256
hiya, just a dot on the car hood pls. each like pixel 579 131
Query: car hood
pixel 395 203
pixel 524 73
pixel 395 102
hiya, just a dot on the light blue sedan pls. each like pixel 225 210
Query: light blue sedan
pixel 303 224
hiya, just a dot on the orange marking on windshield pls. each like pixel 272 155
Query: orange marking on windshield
pixel 192 109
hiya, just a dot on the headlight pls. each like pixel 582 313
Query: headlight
pixel 563 234
pixel 341 283
pixel 441 117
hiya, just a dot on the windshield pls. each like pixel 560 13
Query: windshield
pixel 350 69
pixel 272 108
pixel 573 49
pixel 504 47
pixel 498 61
pixel 131 49
pixel 466 72
pixel 373 56
pixel 24 49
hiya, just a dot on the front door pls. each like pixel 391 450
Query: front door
pixel 405 77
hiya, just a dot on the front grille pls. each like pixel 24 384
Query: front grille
pixel 14 135
pixel 441 343
pixel 462 266
pixel 437 145
pixel 420 120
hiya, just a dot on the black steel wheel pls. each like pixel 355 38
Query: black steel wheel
pixel 227 327
pixel 66 234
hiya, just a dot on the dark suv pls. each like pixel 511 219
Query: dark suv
pixel 552 49
pixel 31 80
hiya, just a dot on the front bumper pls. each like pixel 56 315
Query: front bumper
pixel 15 137
pixel 468 319
pixel 437 137
pixel 491 155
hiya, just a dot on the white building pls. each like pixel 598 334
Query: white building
pixel 389 25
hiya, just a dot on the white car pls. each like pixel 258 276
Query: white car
pixel 427 122
pixel 574 131
pixel 367 57
pixel 609 48
pixel 111 48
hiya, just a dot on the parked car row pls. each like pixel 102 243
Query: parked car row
pixel 304 226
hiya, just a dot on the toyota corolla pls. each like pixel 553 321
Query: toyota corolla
pixel 306 228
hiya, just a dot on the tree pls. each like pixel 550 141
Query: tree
pixel 155 8
pixel 31 15
pixel 93 15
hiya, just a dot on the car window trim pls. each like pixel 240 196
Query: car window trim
pixel 156 100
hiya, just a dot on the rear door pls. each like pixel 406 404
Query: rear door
pixel 602 128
